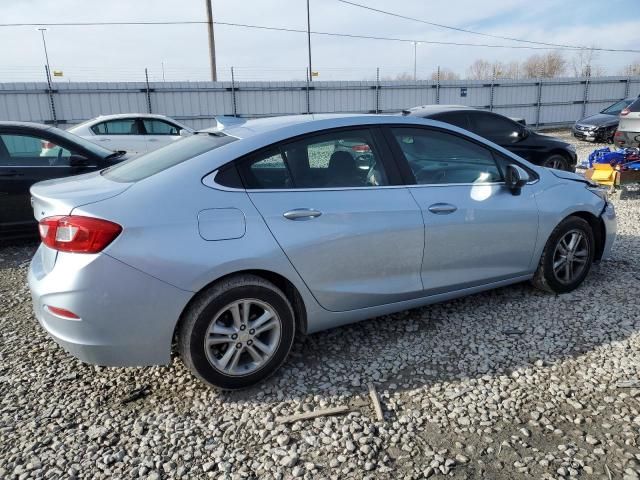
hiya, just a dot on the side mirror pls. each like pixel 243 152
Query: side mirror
pixel 516 178
pixel 78 161
pixel 185 133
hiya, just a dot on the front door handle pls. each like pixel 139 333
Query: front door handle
pixel 442 208
pixel 301 214
pixel 10 173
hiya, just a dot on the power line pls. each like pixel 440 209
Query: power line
pixel 314 32
pixel 463 30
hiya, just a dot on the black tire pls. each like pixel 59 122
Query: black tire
pixel 199 315
pixel 560 162
pixel 545 278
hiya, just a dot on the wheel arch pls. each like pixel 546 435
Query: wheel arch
pixel 563 154
pixel 284 284
pixel 598 228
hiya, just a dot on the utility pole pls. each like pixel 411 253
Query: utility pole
pixel 46 55
pixel 309 41
pixel 415 46
pixel 212 44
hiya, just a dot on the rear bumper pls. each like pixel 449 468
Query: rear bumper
pixel 127 317
pixel 627 139
pixel 608 216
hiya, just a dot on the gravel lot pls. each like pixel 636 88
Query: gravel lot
pixel 512 383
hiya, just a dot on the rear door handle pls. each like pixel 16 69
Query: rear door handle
pixel 10 173
pixel 442 208
pixel 301 214
pixel 153 139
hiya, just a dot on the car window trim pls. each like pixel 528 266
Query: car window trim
pixel 408 173
pixel 379 143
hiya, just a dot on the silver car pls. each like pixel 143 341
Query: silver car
pixel 228 244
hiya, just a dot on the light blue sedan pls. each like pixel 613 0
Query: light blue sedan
pixel 230 243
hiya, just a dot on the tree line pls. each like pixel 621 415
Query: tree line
pixel 548 65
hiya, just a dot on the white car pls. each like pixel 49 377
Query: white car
pixel 135 133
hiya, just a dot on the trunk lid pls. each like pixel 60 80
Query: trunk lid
pixel 61 196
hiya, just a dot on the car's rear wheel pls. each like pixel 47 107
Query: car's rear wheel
pixel 237 332
pixel 567 257
pixel 557 161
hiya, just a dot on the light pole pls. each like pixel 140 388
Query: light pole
pixel 46 55
pixel 415 47
pixel 309 41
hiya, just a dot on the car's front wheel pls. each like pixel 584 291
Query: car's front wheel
pixel 237 332
pixel 567 256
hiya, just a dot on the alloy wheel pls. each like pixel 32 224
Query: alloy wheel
pixel 570 256
pixel 242 337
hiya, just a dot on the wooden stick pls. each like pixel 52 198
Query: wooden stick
pixel 316 413
pixel 376 402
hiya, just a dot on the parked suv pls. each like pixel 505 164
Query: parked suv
pixel 628 134
pixel 601 126
pixel 517 138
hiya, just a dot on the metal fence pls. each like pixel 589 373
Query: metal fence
pixel 543 103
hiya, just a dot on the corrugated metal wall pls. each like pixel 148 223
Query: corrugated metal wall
pixel 543 103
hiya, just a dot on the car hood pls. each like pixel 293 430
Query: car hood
pixel 599 119
pixel 576 177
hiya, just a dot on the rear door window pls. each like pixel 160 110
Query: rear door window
pixel 154 126
pixel 339 159
pixel 123 126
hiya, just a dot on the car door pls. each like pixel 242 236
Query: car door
pixel 354 235
pixel 27 158
pixel 505 132
pixel 121 134
pixel 476 230
pixel 159 133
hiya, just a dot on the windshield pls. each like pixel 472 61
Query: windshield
pixel 156 161
pixel 83 142
pixel 617 107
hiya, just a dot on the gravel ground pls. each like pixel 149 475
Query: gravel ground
pixel 512 383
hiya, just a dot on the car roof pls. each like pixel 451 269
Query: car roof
pixel 258 126
pixel 433 109
pixel 29 125
pixel 115 116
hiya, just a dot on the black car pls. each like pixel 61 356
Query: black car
pixel 31 152
pixel 509 134
pixel 602 126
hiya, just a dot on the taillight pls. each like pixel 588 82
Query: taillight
pixel 625 112
pixel 46 144
pixel 361 148
pixel 77 234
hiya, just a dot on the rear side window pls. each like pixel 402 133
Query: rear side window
pixel 493 126
pixel 156 161
pixel 459 119
pixel 124 126
pixel 340 159
pixel 437 157
pixel 635 106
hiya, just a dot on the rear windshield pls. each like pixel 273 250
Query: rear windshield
pixel 617 107
pixel 166 157
pixel 635 106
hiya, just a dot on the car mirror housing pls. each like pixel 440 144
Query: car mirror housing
pixel 516 178
pixel 185 133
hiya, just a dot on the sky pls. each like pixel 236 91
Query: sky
pixel 123 52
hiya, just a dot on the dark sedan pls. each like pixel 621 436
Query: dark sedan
pixel 602 126
pixel 517 138
pixel 31 152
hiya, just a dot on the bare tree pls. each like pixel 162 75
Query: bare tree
pixel 583 63
pixel 404 76
pixel 445 74
pixel 480 70
pixel 632 69
pixel 549 65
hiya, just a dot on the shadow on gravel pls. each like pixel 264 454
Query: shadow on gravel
pixel 489 334
pixel 14 253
